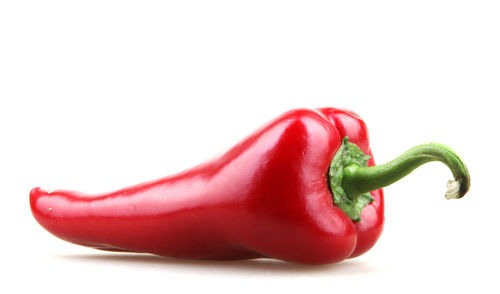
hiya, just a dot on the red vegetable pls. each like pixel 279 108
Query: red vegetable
pixel 296 190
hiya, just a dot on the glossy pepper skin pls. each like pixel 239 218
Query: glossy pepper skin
pixel 268 196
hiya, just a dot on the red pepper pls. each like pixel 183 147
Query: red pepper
pixel 296 190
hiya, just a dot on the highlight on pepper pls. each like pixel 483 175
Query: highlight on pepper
pixel 303 188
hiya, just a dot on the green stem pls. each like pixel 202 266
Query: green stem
pixel 358 179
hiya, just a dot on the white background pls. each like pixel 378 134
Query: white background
pixel 96 95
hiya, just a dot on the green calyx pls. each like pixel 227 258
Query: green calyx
pixel 348 154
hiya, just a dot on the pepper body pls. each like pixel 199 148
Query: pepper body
pixel 268 196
